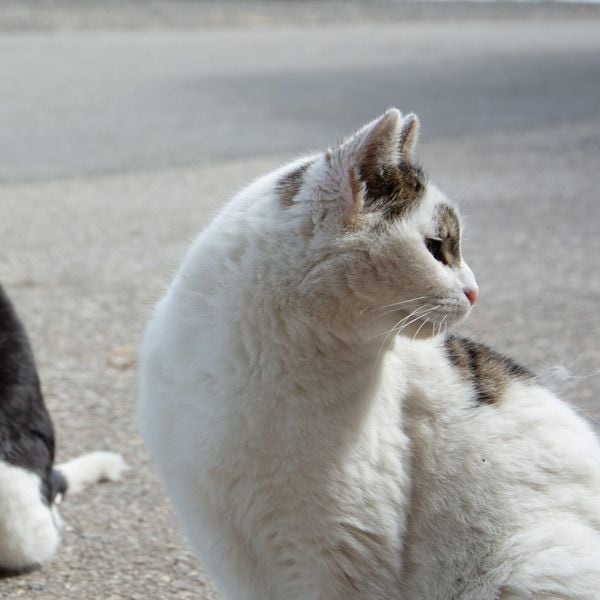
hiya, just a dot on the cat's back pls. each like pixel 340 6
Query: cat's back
pixel 506 410
pixel 506 479
pixel 201 340
pixel 199 353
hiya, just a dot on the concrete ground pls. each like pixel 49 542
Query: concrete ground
pixel 117 146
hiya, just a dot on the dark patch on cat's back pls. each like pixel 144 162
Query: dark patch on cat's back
pixel 393 189
pixel 488 371
pixel 289 185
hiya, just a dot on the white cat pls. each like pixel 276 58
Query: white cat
pixel 313 453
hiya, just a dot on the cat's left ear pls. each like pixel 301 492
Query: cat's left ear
pixel 409 133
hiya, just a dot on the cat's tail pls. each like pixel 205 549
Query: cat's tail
pixel 83 471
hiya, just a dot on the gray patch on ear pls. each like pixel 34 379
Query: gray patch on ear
pixel 448 227
pixel 488 371
pixel 289 185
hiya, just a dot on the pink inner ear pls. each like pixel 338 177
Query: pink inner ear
pixel 356 201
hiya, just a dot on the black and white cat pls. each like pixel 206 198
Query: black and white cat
pixel 320 435
pixel 30 484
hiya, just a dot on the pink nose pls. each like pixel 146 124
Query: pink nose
pixel 471 295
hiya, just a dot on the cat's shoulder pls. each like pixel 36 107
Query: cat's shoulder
pixel 446 365
pixel 513 392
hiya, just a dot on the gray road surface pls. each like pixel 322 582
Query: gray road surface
pixel 115 147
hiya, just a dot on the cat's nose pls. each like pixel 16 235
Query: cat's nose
pixel 471 294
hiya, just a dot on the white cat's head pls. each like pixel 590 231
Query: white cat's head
pixel 364 237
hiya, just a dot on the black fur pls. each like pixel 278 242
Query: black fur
pixel 26 431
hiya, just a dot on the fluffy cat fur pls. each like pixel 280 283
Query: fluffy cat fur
pixel 30 484
pixel 321 437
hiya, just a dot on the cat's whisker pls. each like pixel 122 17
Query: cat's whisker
pixel 462 193
pixel 419 329
pixel 395 304
pixel 383 343
pixel 416 318
pixel 385 333
pixel 388 309
pixel 441 324
pixel 390 333
pixel 388 312
pixel 384 314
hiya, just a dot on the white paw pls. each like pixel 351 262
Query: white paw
pixel 83 471
pixel 112 466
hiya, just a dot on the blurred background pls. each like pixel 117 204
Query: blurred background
pixel 125 124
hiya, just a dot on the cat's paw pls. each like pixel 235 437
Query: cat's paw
pixel 111 465
pixel 91 468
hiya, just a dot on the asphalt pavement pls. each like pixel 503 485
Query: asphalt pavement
pixel 118 142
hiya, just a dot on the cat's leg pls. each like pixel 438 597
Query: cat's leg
pixel 29 528
pixel 88 469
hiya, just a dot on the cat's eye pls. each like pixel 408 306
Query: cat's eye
pixel 434 245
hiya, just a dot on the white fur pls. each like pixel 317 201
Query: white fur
pixel 272 389
pixel 516 486
pixel 85 470
pixel 29 528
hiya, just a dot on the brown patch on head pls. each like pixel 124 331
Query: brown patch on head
pixel 289 185
pixel 394 184
pixel 392 189
pixel 448 231
pixel 487 371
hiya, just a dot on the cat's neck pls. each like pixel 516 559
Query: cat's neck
pixel 335 363
pixel 271 344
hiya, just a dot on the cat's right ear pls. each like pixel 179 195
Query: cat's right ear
pixel 360 158
pixel 378 144
pixel 373 147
